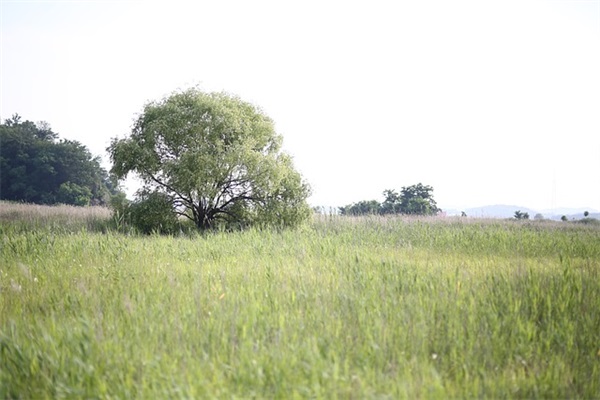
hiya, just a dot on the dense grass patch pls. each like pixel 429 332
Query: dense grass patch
pixel 351 308
pixel 22 217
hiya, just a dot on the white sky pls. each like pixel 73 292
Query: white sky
pixel 489 102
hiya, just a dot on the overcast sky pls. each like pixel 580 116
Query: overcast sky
pixel 489 102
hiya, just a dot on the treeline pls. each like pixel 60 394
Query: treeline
pixel 412 200
pixel 38 167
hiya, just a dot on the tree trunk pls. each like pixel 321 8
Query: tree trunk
pixel 202 218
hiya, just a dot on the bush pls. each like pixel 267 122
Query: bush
pixel 152 213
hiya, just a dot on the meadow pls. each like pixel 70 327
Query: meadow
pixel 340 308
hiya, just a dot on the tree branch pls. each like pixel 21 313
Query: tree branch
pixel 168 187
pixel 183 214
pixel 237 198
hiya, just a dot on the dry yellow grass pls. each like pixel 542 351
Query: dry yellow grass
pixel 41 215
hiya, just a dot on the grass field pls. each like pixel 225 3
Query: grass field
pixel 341 308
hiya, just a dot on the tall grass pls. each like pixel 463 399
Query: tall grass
pixel 343 308
pixel 59 218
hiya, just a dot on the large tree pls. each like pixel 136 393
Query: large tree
pixel 216 157
pixel 37 167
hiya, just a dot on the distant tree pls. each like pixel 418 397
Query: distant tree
pixel 564 218
pixel 392 203
pixel 36 167
pixel 586 214
pixel 217 158
pixel 412 200
pixel 365 207
pixel 521 215
pixel 538 217
pixel 418 200
pixel 463 214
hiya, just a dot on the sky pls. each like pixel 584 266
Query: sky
pixel 488 102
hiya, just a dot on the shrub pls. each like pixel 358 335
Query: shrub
pixel 152 213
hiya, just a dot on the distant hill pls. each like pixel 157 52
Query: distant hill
pixel 571 217
pixel 508 211
pixel 498 211
pixel 570 213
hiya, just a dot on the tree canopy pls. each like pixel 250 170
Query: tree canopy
pixel 216 157
pixel 37 167
pixel 412 200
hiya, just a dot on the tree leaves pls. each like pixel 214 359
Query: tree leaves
pixel 217 157
pixel 412 200
pixel 36 167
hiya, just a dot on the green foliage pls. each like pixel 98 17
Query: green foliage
pixel 369 307
pixel 71 193
pixel 418 200
pixel 217 157
pixel 392 203
pixel 36 167
pixel 119 204
pixel 412 200
pixel 521 215
pixel 152 213
pixel 364 207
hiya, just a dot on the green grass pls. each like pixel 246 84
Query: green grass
pixel 342 308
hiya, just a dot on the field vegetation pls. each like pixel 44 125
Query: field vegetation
pixel 343 307
pixel 61 218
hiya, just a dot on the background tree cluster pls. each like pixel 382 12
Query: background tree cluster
pixel 412 200
pixel 37 167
